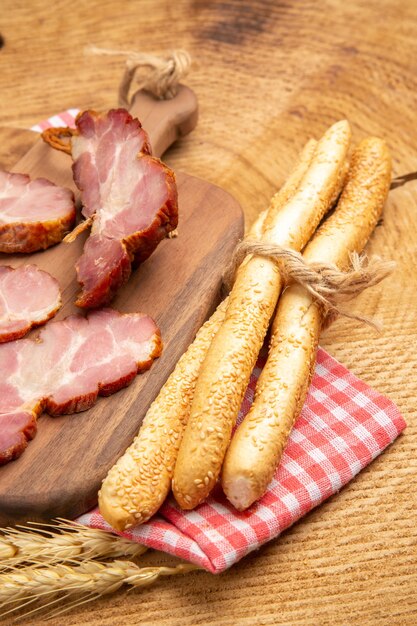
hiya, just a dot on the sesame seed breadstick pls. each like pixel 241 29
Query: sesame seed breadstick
pixel 257 446
pixel 281 197
pixel 230 359
pixel 139 482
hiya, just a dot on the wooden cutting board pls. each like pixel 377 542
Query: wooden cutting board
pixel 60 472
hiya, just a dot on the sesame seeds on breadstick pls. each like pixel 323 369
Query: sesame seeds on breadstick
pixel 189 425
pixel 226 369
pixel 139 482
pixel 259 441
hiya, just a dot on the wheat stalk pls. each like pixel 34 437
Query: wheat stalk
pixel 52 562
pixel 88 579
pixel 63 541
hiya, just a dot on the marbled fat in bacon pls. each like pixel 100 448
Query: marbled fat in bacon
pixel 67 367
pixel 28 297
pixel 34 214
pixel 131 195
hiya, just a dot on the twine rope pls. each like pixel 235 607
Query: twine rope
pixel 327 284
pixel 159 75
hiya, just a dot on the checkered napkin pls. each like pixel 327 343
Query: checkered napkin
pixel 343 426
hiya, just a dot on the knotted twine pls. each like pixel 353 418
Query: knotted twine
pixel 159 75
pixel 326 283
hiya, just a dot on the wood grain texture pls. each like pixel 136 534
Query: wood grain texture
pixel 268 75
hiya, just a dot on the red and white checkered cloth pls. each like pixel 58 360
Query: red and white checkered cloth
pixel 343 426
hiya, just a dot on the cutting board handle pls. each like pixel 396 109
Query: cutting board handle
pixel 165 121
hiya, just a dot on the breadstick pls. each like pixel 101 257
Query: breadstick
pixel 281 197
pixel 257 446
pixel 139 482
pixel 226 369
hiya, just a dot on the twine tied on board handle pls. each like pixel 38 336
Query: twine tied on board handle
pixel 159 75
pixel 327 284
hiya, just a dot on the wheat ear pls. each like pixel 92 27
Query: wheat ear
pixel 61 541
pixel 87 581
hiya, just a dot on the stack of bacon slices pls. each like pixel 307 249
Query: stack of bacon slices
pixel 130 200
pixel 72 362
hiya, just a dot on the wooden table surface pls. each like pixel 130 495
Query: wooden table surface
pixel 268 75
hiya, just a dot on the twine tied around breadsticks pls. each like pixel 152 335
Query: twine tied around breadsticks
pixel 159 75
pixel 327 284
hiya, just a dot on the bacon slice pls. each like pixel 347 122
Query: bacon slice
pixel 131 195
pixel 28 297
pixel 67 367
pixel 34 214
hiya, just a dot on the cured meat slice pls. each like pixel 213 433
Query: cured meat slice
pixel 28 297
pixel 67 367
pixel 34 214
pixel 130 195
